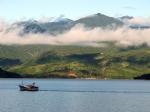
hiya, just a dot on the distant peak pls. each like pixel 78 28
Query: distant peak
pixel 99 14
pixel 126 17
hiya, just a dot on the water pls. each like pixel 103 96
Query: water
pixel 76 96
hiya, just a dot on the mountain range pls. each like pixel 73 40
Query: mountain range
pixel 65 24
pixel 62 25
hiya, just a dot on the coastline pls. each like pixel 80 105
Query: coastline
pixel 71 78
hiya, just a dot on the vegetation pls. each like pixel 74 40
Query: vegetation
pixel 5 74
pixel 85 62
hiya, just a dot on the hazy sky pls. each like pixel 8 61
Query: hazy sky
pixel 74 9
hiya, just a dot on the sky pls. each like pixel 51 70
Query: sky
pixel 34 9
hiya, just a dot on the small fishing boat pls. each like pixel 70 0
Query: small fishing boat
pixel 30 87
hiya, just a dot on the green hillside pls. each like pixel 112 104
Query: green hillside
pixel 85 62
pixel 5 74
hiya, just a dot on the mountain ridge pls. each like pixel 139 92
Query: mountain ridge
pixel 65 24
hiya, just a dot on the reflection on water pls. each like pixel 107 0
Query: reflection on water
pixel 76 96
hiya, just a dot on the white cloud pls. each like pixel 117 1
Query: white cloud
pixel 78 36
pixel 140 20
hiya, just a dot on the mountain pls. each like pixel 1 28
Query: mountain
pixel 126 17
pixel 139 26
pixel 61 25
pixel 33 26
pixel 99 20
pixel 58 26
pixel 64 24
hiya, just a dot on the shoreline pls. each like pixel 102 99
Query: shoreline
pixel 74 79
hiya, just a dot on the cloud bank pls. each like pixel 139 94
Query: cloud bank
pixel 140 21
pixel 78 35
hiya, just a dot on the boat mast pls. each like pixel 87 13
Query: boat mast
pixel 22 82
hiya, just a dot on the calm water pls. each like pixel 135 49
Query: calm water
pixel 76 96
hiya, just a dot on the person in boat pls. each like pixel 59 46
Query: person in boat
pixel 32 85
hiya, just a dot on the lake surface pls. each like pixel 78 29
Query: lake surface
pixel 76 96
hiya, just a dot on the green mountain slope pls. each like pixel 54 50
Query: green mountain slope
pixel 57 61
pixel 5 74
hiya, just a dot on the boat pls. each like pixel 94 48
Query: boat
pixel 30 87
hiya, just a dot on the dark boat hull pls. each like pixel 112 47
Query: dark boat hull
pixel 26 88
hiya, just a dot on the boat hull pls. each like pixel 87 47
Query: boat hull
pixel 28 88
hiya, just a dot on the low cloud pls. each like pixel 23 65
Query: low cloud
pixel 140 20
pixel 78 35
